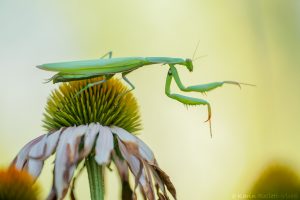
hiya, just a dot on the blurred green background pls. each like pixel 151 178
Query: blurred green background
pixel 255 41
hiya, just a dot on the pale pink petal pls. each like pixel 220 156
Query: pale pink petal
pixel 149 179
pixel 45 147
pixel 121 166
pixel 89 139
pixel 136 167
pixel 38 149
pixel 159 182
pixel 66 155
pixel 125 136
pixel 147 185
pixel 104 145
pixel 165 179
pixel 132 161
pixel 22 156
pixel 62 164
pixel 52 141
pixel 145 151
pixel 34 167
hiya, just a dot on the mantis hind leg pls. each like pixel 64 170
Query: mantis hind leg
pixel 105 78
pixel 185 99
pixel 109 54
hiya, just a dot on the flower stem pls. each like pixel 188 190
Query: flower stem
pixel 96 179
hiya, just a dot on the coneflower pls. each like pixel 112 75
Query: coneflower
pixel 277 181
pixel 97 126
pixel 15 184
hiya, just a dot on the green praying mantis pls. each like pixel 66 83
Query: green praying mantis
pixel 108 67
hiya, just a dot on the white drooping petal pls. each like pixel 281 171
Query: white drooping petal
pixel 125 136
pixel 137 168
pixel 45 147
pixel 89 139
pixel 148 188
pixel 122 167
pixel 126 155
pixel 104 145
pixel 132 161
pixel 34 167
pixel 66 154
pixel 145 151
pixel 38 149
pixel 52 141
pixel 61 162
pixel 22 157
pixel 158 181
pixel 165 179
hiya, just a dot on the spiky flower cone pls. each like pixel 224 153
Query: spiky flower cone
pixel 105 103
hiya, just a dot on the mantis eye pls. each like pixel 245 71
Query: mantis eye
pixel 189 64
pixel 169 72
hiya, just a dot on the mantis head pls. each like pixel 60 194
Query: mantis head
pixel 189 64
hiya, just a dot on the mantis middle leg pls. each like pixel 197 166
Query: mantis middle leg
pixel 105 78
pixel 109 54
pixel 127 81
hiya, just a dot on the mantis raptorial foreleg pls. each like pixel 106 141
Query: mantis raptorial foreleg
pixel 184 99
pixel 109 54
pixel 203 88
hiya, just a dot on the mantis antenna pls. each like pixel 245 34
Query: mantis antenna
pixel 194 59
pixel 196 50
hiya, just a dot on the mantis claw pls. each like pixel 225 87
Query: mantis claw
pixel 209 113
pixel 209 119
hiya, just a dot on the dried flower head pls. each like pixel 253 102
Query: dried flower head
pixel 15 184
pixel 98 124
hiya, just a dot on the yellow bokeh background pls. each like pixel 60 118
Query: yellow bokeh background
pixel 255 41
